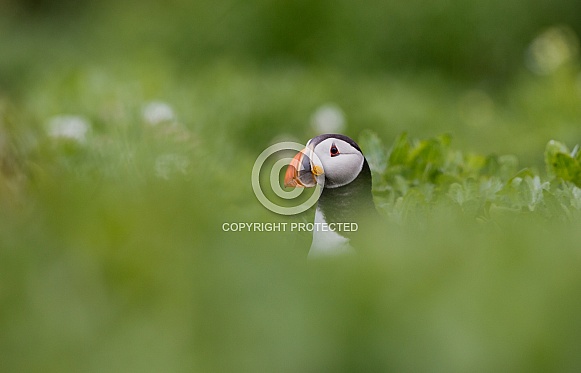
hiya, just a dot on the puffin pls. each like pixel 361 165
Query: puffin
pixel 337 164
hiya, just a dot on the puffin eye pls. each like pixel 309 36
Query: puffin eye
pixel 334 151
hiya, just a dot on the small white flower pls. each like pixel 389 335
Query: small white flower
pixel 328 118
pixel 551 49
pixel 70 127
pixel 157 112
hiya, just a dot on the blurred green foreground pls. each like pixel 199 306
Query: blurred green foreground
pixel 128 132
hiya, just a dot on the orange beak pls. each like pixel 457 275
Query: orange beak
pixel 291 177
pixel 301 172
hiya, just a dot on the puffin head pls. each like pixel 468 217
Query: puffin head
pixel 331 160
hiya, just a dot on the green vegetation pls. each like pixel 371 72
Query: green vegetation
pixel 429 172
pixel 128 131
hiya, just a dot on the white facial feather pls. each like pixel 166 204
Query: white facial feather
pixel 342 168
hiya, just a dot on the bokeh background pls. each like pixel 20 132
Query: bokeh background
pixel 128 130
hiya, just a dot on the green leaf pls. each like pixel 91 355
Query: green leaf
pixel 398 154
pixel 554 146
pixel 563 164
pixel 456 193
pixel 552 149
pixel 567 168
pixel 374 151
pixel 429 157
pixel 576 153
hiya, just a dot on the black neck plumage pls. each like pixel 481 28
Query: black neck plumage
pixel 348 203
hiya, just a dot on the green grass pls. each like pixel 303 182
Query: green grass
pixel 112 254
